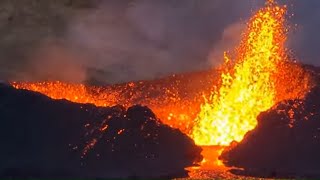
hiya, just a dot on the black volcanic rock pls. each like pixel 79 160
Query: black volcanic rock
pixel 286 142
pixel 41 137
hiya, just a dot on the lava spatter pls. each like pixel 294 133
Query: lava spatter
pixel 252 84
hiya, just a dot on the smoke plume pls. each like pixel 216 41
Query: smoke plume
pixel 115 41
pixel 146 40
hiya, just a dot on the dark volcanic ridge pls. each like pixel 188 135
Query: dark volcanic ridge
pixel 286 142
pixel 43 138
pixel 57 138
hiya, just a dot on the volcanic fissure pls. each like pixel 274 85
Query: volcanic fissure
pixel 258 74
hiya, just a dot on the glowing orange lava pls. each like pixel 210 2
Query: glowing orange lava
pixel 259 76
pixel 252 84
pixel 175 99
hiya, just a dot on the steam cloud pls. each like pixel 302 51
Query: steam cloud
pixel 115 41
pixel 145 40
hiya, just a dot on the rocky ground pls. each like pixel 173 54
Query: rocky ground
pixel 285 143
pixel 45 138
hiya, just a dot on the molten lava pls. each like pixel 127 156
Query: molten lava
pixel 249 83
pixel 256 78
pixel 175 99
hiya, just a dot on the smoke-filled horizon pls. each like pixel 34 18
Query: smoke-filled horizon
pixel 115 41
pixel 145 40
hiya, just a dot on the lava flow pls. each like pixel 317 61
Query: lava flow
pixel 259 75
pixel 175 99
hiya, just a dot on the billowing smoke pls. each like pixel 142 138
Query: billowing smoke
pixel 145 40
pixel 229 40
pixel 115 41
pixel 53 60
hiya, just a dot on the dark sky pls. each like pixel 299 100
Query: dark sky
pixel 306 39
pixel 138 39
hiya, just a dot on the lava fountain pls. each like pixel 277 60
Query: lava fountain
pixel 255 77
pixel 250 81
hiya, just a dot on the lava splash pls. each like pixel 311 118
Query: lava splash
pixel 259 75
pixel 250 83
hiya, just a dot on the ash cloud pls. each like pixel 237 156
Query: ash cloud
pixel 116 41
pixel 145 40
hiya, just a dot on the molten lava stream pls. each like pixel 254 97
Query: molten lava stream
pixel 211 157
